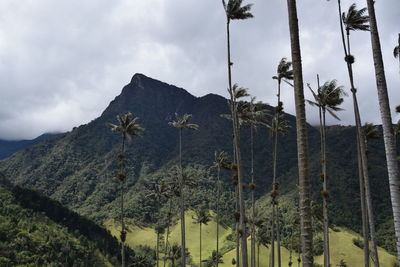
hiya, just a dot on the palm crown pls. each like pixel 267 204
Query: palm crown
pixel 328 97
pixel 371 132
pixel 355 19
pixel 128 125
pixel 235 10
pixel 284 71
pixel 182 122
pixel 220 159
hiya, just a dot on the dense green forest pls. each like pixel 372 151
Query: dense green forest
pixel 38 231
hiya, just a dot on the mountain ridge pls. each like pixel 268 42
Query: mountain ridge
pixel 78 168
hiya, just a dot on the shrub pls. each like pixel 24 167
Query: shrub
pixel 358 243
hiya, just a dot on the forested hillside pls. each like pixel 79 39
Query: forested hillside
pixel 38 231
pixel 78 168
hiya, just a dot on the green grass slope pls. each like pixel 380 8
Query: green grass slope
pixel 342 246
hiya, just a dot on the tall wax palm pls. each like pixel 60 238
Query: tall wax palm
pixel 302 147
pixel 327 98
pixel 220 161
pixel 181 123
pixel 251 115
pixel 284 73
pixel 128 127
pixel 388 134
pixel 235 11
pixel 352 21
pixel 239 107
pixel 202 216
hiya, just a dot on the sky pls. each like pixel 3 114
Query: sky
pixel 62 62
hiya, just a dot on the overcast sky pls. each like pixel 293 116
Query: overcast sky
pixel 62 62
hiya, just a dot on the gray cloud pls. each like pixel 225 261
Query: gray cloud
pixel 62 62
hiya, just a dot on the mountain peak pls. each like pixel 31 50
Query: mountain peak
pixel 137 79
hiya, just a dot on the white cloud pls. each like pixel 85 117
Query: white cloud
pixel 62 62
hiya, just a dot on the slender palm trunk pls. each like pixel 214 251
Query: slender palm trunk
pixel 253 208
pixel 325 195
pixel 242 225
pixel 200 246
pixel 278 237
pixel 302 147
pixel 258 254
pixel 158 249
pixel 363 208
pixel 291 248
pixel 273 236
pixel 166 239
pixel 388 134
pixel 360 144
pixel 123 231
pixel 218 196
pixel 182 209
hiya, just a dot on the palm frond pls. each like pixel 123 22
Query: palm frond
pixel 239 92
pixel 235 11
pixel 356 19
pixel 332 114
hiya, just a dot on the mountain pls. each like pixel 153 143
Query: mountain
pixel 7 148
pixel 78 168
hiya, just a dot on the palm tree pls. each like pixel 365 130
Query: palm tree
pixel 302 147
pixel 182 122
pixel 128 127
pixel 235 11
pixel 388 134
pixel 357 20
pixel 214 260
pixel 328 97
pixel 284 73
pixel 251 114
pixel 175 254
pixel 201 217
pixel 220 161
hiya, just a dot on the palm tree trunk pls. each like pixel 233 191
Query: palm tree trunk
pixel 218 196
pixel 361 142
pixel 166 240
pixel 253 227
pixel 363 208
pixel 258 254
pixel 388 135
pixel 123 231
pixel 200 246
pixel 182 208
pixel 273 236
pixel 361 146
pixel 325 196
pixel 242 225
pixel 302 147
pixel 278 237
pixel 237 229
pixel 158 248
